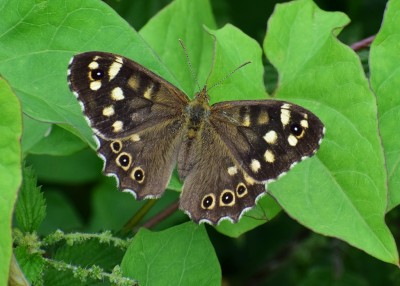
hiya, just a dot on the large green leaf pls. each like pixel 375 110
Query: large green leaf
pixel 340 192
pixel 38 49
pixel 181 255
pixel 10 170
pixel 385 81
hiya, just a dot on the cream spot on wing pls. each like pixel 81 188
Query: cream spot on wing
pixel 147 94
pixel 115 68
pixel 263 118
pixel 94 65
pixel 292 140
pixel 270 137
pixel 249 180
pixel 285 114
pixel 117 125
pixel 117 94
pixel 246 120
pixel 108 111
pixel 269 156
pixel 135 138
pixel 304 123
pixel 232 170
pixel 255 165
pixel 133 82
pixel 95 85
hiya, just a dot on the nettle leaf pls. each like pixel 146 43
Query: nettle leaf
pixel 180 255
pixel 10 170
pixel 30 209
pixel 340 192
pixel 385 81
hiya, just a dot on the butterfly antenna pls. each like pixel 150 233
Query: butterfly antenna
pixel 213 56
pixel 189 63
pixel 229 75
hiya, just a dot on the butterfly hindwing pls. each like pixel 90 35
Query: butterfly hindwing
pixel 141 163
pixel 267 136
pixel 119 96
pixel 215 187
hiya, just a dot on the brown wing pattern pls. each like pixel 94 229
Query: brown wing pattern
pixel 119 96
pixel 268 137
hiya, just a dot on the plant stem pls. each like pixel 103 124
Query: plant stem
pixel 134 221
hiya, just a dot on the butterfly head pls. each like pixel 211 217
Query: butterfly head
pixel 202 96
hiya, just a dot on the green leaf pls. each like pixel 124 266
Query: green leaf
pixel 83 166
pixel 45 45
pixel 172 23
pixel 34 131
pixel 341 191
pixel 31 206
pixel 32 265
pixel 245 83
pixel 181 255
pixel 10 170
pixel 385 81
pixel 58 142
pixel 266 209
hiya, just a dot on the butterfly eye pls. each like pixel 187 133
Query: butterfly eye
pixel 97 74
pixel 208 202
pixel 241 190
pixel 227 198
pixel 297 130
pixel 124 161
pixel 138 175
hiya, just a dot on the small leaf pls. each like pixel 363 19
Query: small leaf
pixel 31 206
pixel 181 255
pixel 32 265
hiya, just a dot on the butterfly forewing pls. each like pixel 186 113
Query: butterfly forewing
pixel 119 96
pixel 137 118
pixel 267 137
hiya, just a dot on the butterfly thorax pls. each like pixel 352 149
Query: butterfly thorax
pixel 197 113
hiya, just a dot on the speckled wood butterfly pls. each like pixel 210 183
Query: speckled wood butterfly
pixel 225 153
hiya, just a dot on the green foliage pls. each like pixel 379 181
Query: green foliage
pixel 10 170
pixel 30 210
pixel 180 255
pixel 347 199
pixel 344 191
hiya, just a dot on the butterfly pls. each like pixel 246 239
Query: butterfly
pixel 225 153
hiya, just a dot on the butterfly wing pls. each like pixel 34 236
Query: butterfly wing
pixel 143 162
pixel 214 187
pixel 267 137
pixel 136 117
pixel 119 97
pixel 243 145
